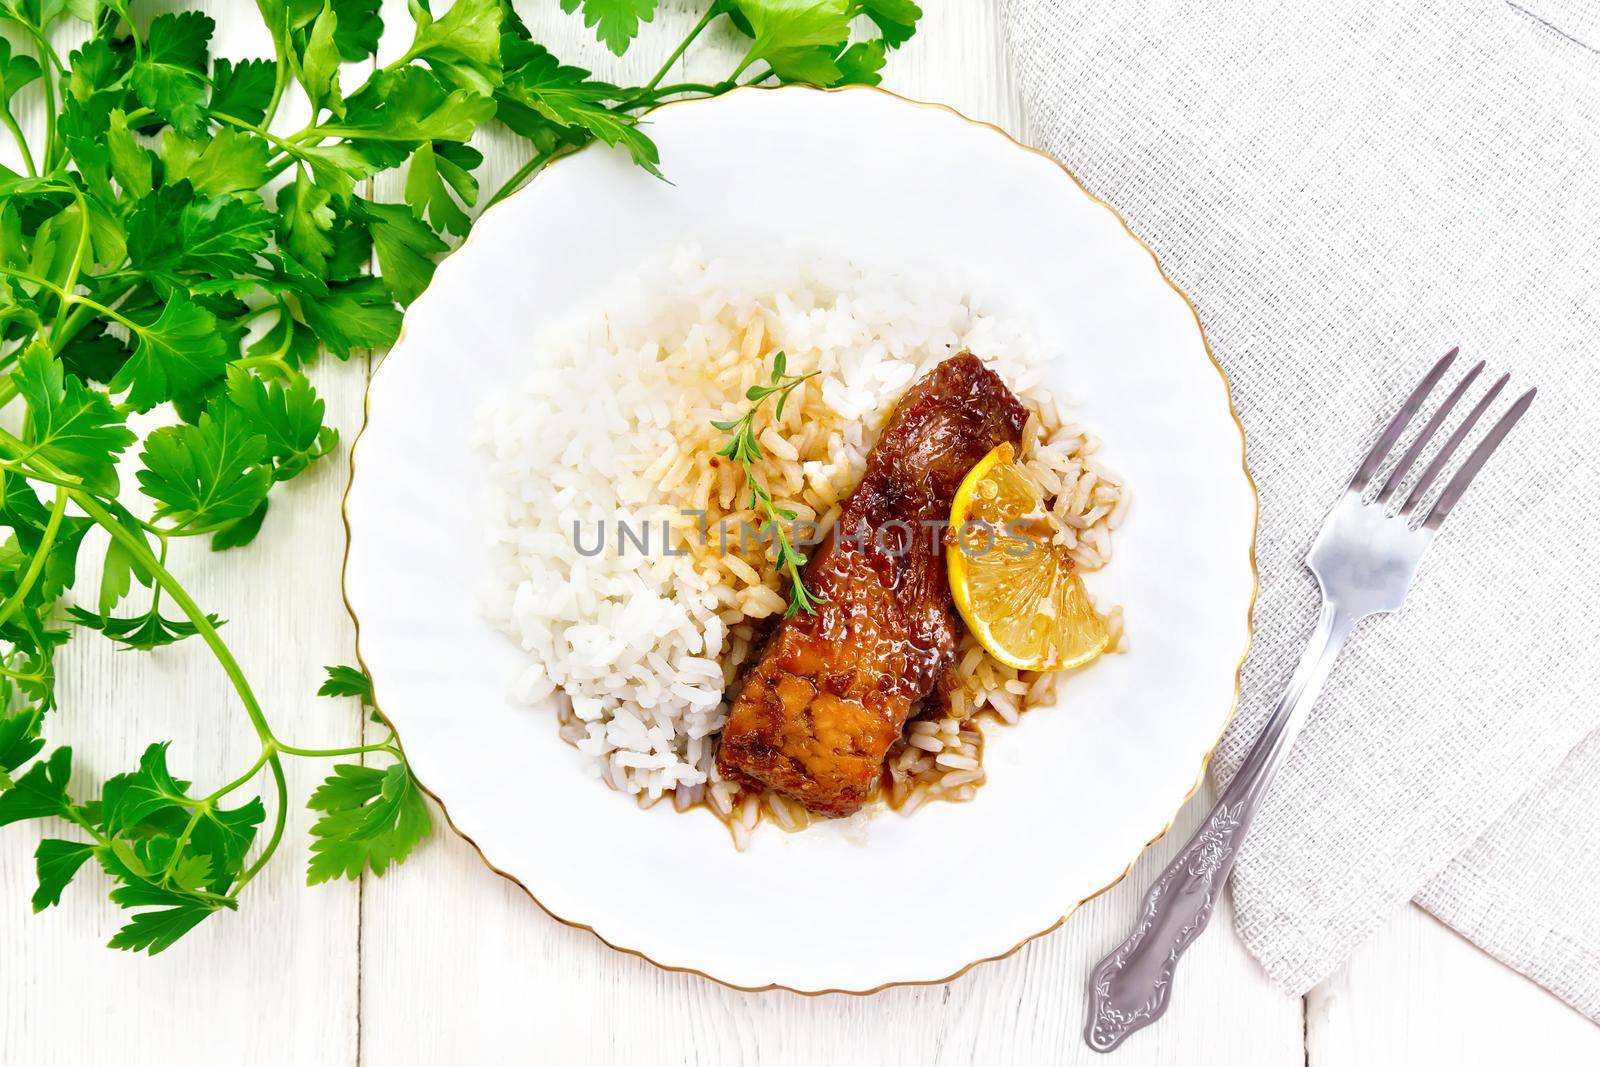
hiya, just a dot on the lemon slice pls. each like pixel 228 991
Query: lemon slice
pixel 1018 590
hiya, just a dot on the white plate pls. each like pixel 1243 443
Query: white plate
pixel 1074 792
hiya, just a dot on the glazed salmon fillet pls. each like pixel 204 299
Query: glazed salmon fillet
pixel 830 692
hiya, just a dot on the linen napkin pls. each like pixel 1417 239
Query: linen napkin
pixel 1346 190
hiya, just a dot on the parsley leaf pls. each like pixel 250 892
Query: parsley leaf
pixel 895 19
pixel 143 793
pixel 141 632
pixel 405 248
pixel 862 62
pixel 214 470
pixel 360 28
pixel 345 681
pixel 226 161
pixel 287 416
pixel 56 862
pixel 15 72
pixel 411 105
pixel 355 314
pixel 182 350
pixel 241 531
pixel 307 221
pixel 69 425
pixel 780 25
pixel 319 64
pixel 615 22
pixel 244 89
pixel 131 163
pixel 566 95
pixel 439 173
pixel 40 792
pixel 463 45
pixel 170 79
pixel 374 819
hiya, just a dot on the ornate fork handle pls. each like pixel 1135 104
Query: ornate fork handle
pixel 1129 989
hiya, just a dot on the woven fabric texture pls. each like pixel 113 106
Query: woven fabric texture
pixel 1345 191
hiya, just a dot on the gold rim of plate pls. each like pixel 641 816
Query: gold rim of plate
pixel 1205 760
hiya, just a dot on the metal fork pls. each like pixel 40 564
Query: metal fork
pixel 1364 560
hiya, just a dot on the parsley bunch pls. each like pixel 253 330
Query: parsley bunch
pixel 167 247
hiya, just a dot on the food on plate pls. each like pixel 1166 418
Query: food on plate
pixel 836 682
pixel 661 476
pixel 1014 582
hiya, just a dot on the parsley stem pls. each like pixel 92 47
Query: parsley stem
pixel 649 100
pixel 74 298
pixel 81 316
pixel 328 753
pixel 47 82
pixel 255 769
pixel 10 122
pixel 77 263
pixel 183 840
pixel 522 173
pixel 683 46
pixel 35 279
pixel 140 551
pixel 287 145
pixel 36 564
pixel 280 81
pixel 749 58
pixel 66 481
pixel 276 362
pixel 280 820
pixel 136 547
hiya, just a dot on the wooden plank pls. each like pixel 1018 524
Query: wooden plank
pixel 459 966
pixel 276 982
pixel 1417 993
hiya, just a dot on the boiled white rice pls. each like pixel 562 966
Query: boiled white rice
pixel 638 643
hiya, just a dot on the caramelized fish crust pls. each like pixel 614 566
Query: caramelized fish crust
pixel 831 691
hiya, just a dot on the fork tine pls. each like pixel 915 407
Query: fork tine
pixel 1398 475
pixel 1448 449
pixel 1391 433
pixel 1480 455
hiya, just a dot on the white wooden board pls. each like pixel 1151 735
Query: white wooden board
pixel 442 962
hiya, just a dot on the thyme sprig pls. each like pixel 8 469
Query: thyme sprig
pixel 743 448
